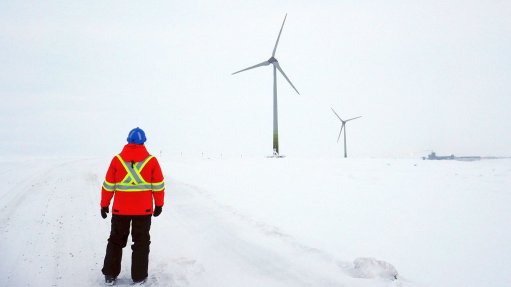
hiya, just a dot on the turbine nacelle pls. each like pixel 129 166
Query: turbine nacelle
pixel 273 60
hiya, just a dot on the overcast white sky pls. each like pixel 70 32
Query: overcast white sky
pixel 76 76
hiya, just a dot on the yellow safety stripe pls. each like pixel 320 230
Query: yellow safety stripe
pixel 133 181
pixel 133 172
pixel 145 162
pixel 125 168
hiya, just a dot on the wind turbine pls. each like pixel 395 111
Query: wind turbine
pixel 344 127
pixel 276 66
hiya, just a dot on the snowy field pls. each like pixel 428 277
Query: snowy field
pixel 266 222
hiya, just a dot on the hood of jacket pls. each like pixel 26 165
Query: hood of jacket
pixel 134 152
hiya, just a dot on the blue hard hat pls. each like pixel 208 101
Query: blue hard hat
pixel 136 136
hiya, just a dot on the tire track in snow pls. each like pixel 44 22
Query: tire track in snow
pixel 82 231
pixel 50 230
pixel 18 188
pixel 25 222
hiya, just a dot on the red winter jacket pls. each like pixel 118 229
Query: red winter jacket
pixel 132 203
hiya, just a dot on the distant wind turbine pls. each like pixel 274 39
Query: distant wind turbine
pixel 276 67
pixel 343 127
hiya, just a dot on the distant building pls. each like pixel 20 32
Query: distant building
pixel 433 156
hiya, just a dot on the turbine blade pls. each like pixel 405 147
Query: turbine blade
pixel 265 63
pixel 353 118
pixel 278 38
pixel 284 74
pixel 340 132
pixel 336 114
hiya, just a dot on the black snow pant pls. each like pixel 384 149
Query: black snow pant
pixel 118 239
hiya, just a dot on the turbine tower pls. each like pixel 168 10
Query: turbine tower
pixel 344 127
pixel 276 66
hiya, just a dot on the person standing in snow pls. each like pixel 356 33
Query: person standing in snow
pixel 135 180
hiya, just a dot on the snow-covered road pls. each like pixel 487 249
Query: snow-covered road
pixel 52 234
pixel 49 232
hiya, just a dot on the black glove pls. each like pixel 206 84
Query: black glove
pixel 104 211
pixel 157 211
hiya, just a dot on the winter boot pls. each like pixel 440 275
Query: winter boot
pixel 139 282
pixel 109 280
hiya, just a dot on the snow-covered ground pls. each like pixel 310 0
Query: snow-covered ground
pixel 266 222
